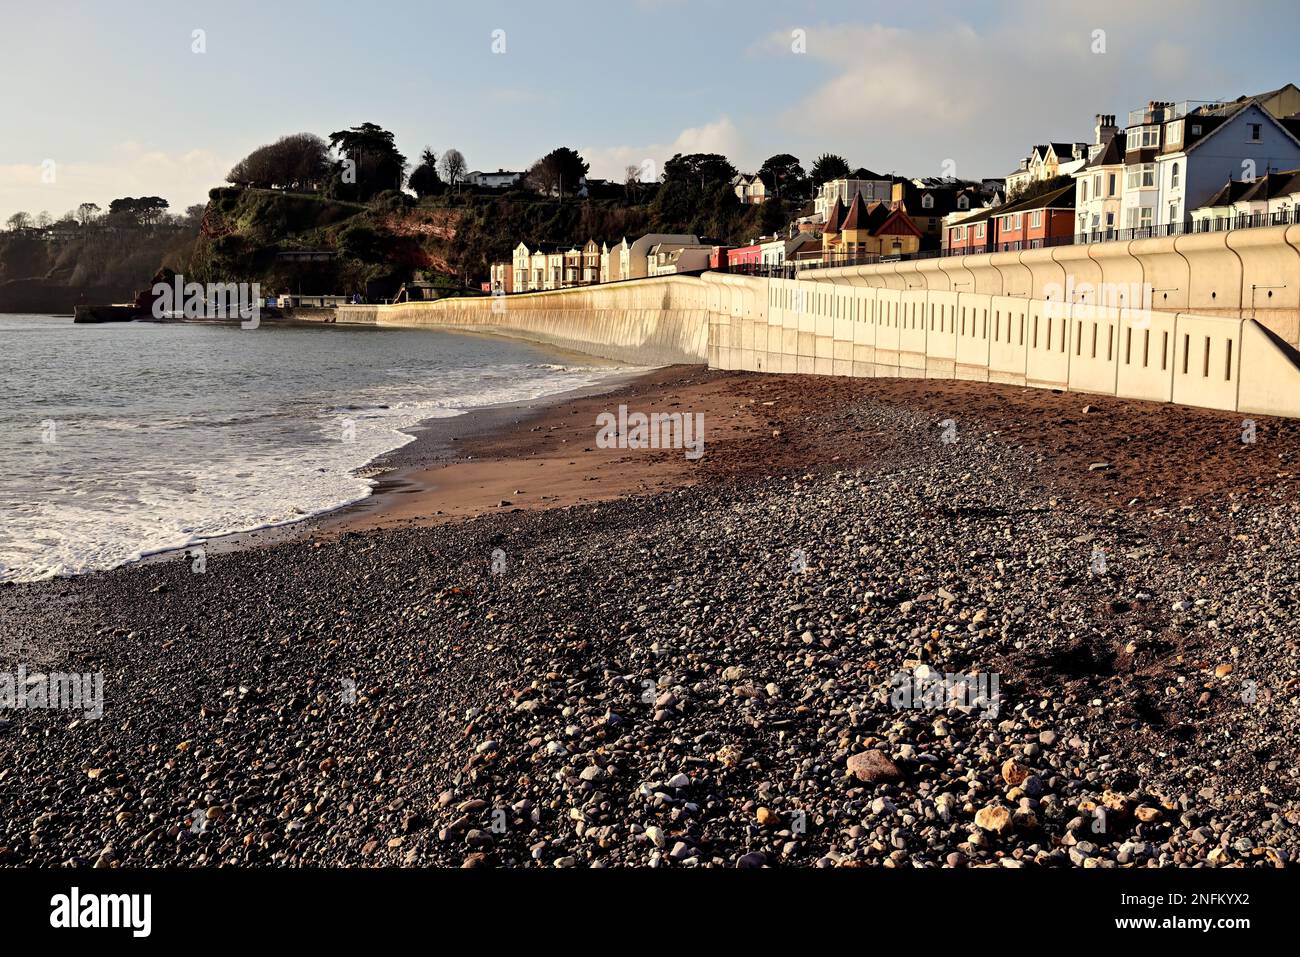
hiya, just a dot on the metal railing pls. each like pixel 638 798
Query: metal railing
pixel 1283 217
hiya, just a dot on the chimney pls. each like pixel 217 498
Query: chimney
pixel 1105 128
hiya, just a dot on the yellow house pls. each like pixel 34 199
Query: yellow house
pixel 866 230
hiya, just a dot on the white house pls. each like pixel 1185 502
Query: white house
pixel 635 258
pixel 1178 156
pixel 1273 198
pixel 873 187
pixel 1099 184
pixel 1250 142
pixel 668 258
pixel 498 180
pixel 778 250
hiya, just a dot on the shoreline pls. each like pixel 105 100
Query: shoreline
pixel 436 442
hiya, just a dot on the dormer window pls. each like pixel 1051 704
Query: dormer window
pixel 963 202
pixel 927 201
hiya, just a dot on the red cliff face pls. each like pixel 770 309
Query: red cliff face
pixel 438 224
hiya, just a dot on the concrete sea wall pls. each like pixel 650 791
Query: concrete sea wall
pixel 643 322
pixel 1239 274
pixel 1028 318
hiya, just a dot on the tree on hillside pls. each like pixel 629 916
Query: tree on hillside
pixel 369 162
pixel 87 213
pixel 695 186
pixel 828 167
pixel 786 174
pixel 453 167
pixel 299 161
pixel 559 171
pixel 424 180
pixel 19 220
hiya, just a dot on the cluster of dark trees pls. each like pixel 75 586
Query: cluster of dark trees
pixel 125 213
pixel 697 194
pixel 363 162
pixel 299 161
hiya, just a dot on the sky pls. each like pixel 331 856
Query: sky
pixel 143 97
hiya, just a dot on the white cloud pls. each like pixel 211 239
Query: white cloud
pixel 909 100
pixel 130 169
pixel 719 136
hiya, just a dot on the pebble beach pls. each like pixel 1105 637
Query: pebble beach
pixel 643 661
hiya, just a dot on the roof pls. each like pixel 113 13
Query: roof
pixel 858 216
pixel 1241 107
pixel 1112 154
pixel 872 218
pixel 835 217
pixel 1268 186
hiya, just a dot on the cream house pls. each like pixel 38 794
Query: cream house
pixel 1099 185
pixel 523 268
pixel 636 257
pixel 1046 161
pixel 752 190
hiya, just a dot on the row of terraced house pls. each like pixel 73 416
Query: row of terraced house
pixel 1173 168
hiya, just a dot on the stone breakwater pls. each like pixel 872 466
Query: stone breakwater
pixel 658 682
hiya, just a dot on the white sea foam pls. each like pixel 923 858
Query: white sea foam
pixel 166 470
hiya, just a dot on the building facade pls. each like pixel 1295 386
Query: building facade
pixel 872 187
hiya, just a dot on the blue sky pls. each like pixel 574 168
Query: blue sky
pixel 114 95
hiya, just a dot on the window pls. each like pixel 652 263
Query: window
pixel 1096 185
pixel 1110 189
pixel 1196 129
pixel 963 202
pixel 1173 176
pixel 1019 220
pixel 1144 136
pixel 1036 220
pixel 1083 190
pixel 1110 220
pixel 927 201
pixel 979 231
pixel 1137 216
pixel 1256 132
pixel 1140 177
pixel 1174 133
